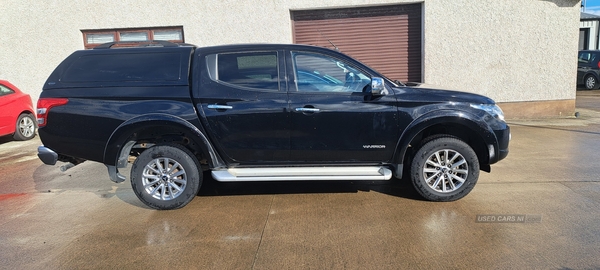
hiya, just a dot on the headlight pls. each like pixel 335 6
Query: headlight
pixel 492 109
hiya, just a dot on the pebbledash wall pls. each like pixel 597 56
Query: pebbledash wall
pixel 520 53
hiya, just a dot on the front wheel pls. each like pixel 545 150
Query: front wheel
pixel 444 169
pixel 166 177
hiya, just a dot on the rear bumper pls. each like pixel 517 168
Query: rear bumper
pixel 47 156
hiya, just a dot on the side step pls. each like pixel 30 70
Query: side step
pixel 302 173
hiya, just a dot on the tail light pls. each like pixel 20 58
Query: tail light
pixel 43 108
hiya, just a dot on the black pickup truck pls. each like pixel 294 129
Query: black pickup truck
pixel 260 112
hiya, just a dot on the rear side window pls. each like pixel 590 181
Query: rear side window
pixel 586 57
pixel 4 91
pixel 257 70
pixel 124 67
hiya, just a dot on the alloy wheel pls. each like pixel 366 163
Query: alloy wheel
pixel 164 179
pixel 26 127
pixel 445 170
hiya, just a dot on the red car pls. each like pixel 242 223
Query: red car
pixel 17 116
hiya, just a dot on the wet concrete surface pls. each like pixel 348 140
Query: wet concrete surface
pixel 538 209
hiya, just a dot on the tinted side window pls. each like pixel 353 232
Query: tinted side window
pixel 5 90
pixel 124 67
pixel 254 70
pixel 586 57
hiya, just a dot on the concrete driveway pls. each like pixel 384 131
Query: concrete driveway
pixel 538 209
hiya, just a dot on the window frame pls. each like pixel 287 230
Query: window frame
pixel 116 32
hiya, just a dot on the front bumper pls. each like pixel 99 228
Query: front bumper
pixel 504 137
pixel 47 156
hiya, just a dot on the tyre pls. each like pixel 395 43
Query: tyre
pixel 591 83
pixel 25 128
pixel 444 169
pixel 166 177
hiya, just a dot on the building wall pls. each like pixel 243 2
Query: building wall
pixel 511 51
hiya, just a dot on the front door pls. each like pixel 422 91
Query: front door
pixel 333 118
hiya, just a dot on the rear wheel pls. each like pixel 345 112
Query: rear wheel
pixel 444 169
pixel 591 82
pixel 166 177
pixel 25 129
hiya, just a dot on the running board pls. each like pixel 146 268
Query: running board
pixel 302 173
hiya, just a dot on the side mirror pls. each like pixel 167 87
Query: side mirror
pixel 378 87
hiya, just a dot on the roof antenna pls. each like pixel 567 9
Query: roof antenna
pixel 336 48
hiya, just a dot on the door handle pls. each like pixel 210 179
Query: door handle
pixel 220 107
pixel 307 110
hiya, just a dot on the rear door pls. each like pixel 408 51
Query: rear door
pixel 244 102
pixel 333 117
